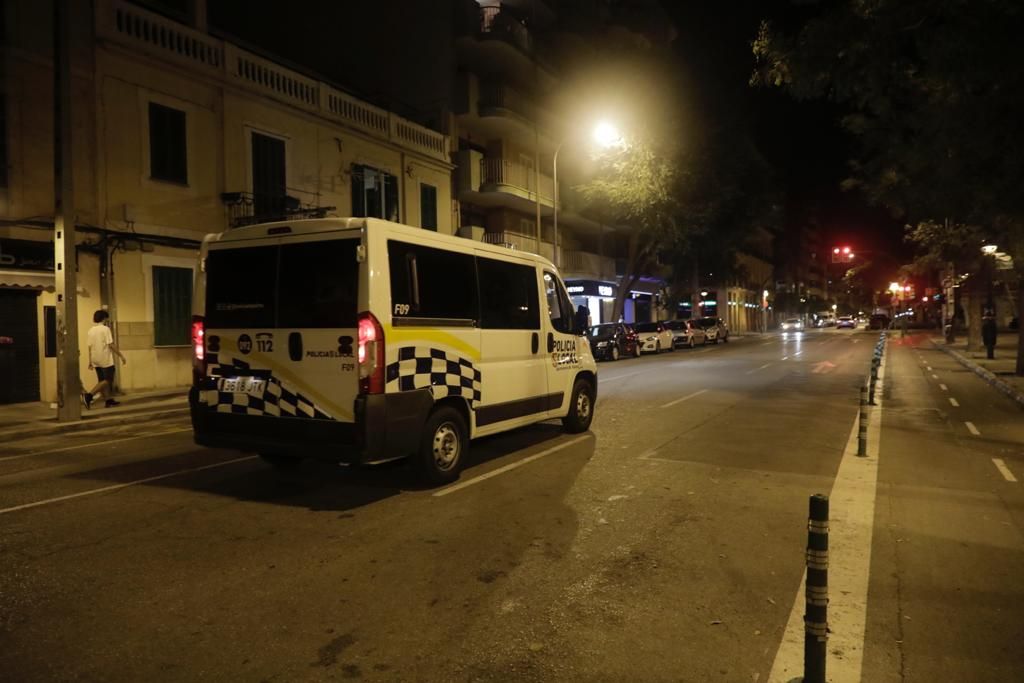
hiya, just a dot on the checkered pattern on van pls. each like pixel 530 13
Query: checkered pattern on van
pixel 422 367
pixel 276 400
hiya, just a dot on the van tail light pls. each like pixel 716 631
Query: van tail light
pixel 198 348
pixel 371 355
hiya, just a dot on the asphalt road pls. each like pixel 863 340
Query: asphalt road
pixel 667 544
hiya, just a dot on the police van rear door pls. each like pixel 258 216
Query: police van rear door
pixel 281 325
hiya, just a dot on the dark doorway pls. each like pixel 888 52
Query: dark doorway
pixel 19 346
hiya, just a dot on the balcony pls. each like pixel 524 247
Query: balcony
pixel 496 40
pixel 517 242
pixel 502 183
pixel 587 265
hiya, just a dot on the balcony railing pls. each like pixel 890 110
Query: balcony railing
pixel 528 243
pixel 588 263
pixel 500 23
pixel 511 174
pixel 129 25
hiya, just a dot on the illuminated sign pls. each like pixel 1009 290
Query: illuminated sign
pixel 589 288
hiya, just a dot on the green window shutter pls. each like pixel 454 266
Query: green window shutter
pixel 428 207
pixel 172 306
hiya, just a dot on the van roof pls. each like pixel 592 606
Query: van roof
pixel 309 226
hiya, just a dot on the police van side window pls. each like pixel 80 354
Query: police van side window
pixel 559 306
pixel 240 287
pixel 318 284
pixel 508 295
pixel 435 284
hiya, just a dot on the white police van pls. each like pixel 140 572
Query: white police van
pixel 360 340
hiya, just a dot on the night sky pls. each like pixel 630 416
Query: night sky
pixel 802 141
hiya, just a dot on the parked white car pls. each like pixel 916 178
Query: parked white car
pixel 654 337
pixel 685 333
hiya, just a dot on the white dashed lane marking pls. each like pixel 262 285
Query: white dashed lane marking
pixel 935 376
pixel 953 402
pixel 972 429
pixel 684 398
pixel 943 387
pixel 1004 470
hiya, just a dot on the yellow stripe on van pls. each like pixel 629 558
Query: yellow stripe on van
pixel 336 410
pixel 425 334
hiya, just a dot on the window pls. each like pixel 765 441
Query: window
pixel 318 284
pixel 168 159
pixel 172 306
pixel 374 193
pixel 428 207
pixel 559 306
pixel 268 176
pixel 432 283
pixel 508 295
pixel 240 286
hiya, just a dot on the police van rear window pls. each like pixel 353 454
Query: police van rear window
pixel 296 286
pixel 240 287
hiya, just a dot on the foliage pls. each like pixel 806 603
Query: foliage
pixel 934 91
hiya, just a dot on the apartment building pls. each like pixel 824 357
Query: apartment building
pixel 177 133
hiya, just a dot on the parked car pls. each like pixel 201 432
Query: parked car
pixel 846 321
pixel 611 341
pixel 878 321
pixel 715 330
pixel 654 337
pixel 791 324
pixel 685 333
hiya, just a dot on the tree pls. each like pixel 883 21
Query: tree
pixel 633 187
pixel 933 93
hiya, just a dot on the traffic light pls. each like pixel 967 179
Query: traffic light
pixel 842 254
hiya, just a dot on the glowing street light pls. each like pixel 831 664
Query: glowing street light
pixel 607 135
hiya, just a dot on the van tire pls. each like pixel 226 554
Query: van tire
pixel 581 407
pixel 442 446
pixel 284 463
pixel 615 351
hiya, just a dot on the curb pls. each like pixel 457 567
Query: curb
pixel 981 372
pixel 138 415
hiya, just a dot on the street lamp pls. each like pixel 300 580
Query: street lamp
pixel 606 136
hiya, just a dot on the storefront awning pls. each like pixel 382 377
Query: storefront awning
pixel 26 279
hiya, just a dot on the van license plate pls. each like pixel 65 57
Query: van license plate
pixel 242 385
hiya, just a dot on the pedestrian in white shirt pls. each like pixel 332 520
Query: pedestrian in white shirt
pixel 101 357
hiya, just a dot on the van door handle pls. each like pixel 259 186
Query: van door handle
pixel 551 342
pixel 534 343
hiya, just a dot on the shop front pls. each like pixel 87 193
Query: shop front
pixel 597 296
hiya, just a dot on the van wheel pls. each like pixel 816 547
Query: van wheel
pixel 281 462
pixel 636 350
pixel 615 352
pixel 442 447
pixel 581 407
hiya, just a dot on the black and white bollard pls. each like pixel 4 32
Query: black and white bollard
pixel 873 380
pixel 816 589
pixel 862 427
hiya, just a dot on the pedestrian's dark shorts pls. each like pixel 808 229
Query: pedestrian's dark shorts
pixel 105 374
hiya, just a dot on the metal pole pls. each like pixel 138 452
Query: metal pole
pixel 69 383
pixel 816 591
pixel 554 215
pixel 862 429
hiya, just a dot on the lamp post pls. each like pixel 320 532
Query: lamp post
pixel 605 135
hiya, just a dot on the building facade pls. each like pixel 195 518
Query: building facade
pixel 177 133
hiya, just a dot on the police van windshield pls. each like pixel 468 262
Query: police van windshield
pixel 297 285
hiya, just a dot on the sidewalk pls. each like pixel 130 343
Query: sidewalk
pixel 997 372
pixel 30 419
